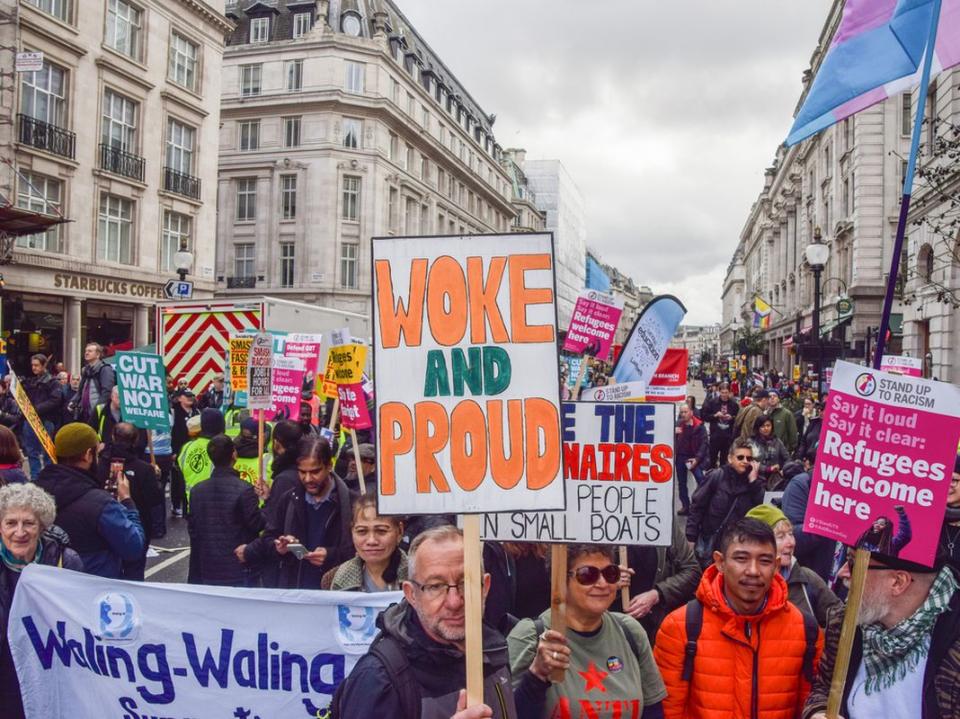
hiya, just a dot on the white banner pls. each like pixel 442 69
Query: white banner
pixel 618 466
pixel 90 647
pixel 622 392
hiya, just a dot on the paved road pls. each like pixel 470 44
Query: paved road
pixel 173 553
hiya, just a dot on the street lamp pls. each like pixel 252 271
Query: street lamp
pixel 817 254
pixel 183 260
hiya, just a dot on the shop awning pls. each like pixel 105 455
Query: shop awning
pixel 788 342
pixel 830 326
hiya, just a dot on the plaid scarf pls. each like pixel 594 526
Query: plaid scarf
pixel 889 654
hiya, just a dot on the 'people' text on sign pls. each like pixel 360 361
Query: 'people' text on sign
pixel 618 467
pixel 142 383
pixel 883 467
pixel 466 374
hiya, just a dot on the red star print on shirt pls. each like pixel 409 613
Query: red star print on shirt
pixel 593 678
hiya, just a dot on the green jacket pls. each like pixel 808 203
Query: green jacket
pixel 785 427
pixel 194 462
pixel 249 469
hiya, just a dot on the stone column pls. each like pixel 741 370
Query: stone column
pixel 72 329
pixel 141 326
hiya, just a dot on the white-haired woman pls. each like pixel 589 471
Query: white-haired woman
pixel 27 536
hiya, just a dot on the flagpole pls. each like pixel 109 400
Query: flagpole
pixel 908 183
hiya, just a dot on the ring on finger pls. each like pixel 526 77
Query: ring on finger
pixel 555 656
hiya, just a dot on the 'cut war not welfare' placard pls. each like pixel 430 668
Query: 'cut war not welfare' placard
pixel 466 374
pixel 142 385
pixel 883 467
pixel 619 470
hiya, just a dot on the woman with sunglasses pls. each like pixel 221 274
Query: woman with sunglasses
pixel 603 654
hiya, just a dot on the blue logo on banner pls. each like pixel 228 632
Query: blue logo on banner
pixel 358 625
pixel 118 616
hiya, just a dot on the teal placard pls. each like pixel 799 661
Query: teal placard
pixel 142 381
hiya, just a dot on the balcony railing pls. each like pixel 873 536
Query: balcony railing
pixel 182 184
pixel 123 163
pixel 45 136
pixel 241 283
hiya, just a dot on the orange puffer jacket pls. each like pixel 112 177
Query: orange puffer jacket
pixel 746 667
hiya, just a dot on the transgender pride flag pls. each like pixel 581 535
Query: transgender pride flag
pixel 877 52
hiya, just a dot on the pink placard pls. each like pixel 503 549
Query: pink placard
pixel 353 407
pixel 886 455
pixel 910 366
pixel 593 324
pixel 287 385
pixel 305 347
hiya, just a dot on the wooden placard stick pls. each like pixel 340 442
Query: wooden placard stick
pixel 558 597
pixel 624 591
pixel 356 458
pixel 848 631
pixel 473 606
pixel 261 475
pixel 334 413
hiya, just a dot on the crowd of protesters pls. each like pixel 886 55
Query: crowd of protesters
pixel 738 617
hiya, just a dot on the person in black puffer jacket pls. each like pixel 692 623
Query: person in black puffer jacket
pixel 144 489
pixel 725 496
pixel 224 516
pixel 43 391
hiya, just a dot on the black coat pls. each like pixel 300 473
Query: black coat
pixel 224 513
pixel 723 497
pixel 144 486
pixel 290 518
pixel 43 391
pixel 10 415
pixel 714 405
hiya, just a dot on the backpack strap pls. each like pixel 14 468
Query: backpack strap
pixel 539 627
pixel 694 623
pixel 810 632
pixel 395 661
pixel 628 635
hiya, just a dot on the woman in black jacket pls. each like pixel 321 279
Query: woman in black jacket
pixel 771 452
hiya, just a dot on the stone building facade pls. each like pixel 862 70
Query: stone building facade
pixel 845 183
pixel 339 123
pixel 116 133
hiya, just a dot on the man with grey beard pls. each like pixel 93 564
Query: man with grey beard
pixel 906 653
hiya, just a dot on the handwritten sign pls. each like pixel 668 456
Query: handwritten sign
pixel 619 472
pixel 466 374
pixel 884 462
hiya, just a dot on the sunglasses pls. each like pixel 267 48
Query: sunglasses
pixel 743 457
pixel 589 575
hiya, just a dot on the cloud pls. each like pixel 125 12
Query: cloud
pixel 664 114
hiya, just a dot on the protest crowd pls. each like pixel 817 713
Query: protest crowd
pixel 737 615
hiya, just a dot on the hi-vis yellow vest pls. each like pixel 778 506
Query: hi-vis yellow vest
pixel 249 471
pixel 194 462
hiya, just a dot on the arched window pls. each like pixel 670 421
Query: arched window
pixel 925 263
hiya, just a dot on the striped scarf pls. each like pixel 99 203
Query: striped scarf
pixel 888 654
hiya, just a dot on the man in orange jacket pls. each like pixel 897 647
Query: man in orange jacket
pixel 754 656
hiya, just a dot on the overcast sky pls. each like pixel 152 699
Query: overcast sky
pixel 665 113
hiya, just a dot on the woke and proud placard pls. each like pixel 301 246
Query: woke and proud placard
pixel 466 374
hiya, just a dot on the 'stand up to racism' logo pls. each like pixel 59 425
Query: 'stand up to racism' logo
pixel 865 384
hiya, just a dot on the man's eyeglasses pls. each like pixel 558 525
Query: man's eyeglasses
pixel 850 560
pixel 590 575
pixel 435 590
pixel 743 457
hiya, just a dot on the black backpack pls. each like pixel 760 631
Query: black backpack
pixel 394 660
pixel 694 623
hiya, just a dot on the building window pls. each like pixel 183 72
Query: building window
pixel 259 29
pixel 249 134
pixel 424 168
pixel 57 8
pixel 244 259
pixel 349 254
pixel 247 199
pixel 115 237
pixel 351 198
pixel 38 193
pixel 395 91
pixel 906 112
pixel 119 130
pixel 410 104
pixel 302 22
pixel 425 117
pixel 288 196
pixel 410 157
pixel 354 82
pixel 123 28
pixel 352 131
pixel 294 75
pixel 392 203
pixel 176 235
pixel 291 132
pixel 394 147
pixel 183 62
pixel 287 263
pixel 180 139
pixel 250 80
pixel 411 219
pixel 43 93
